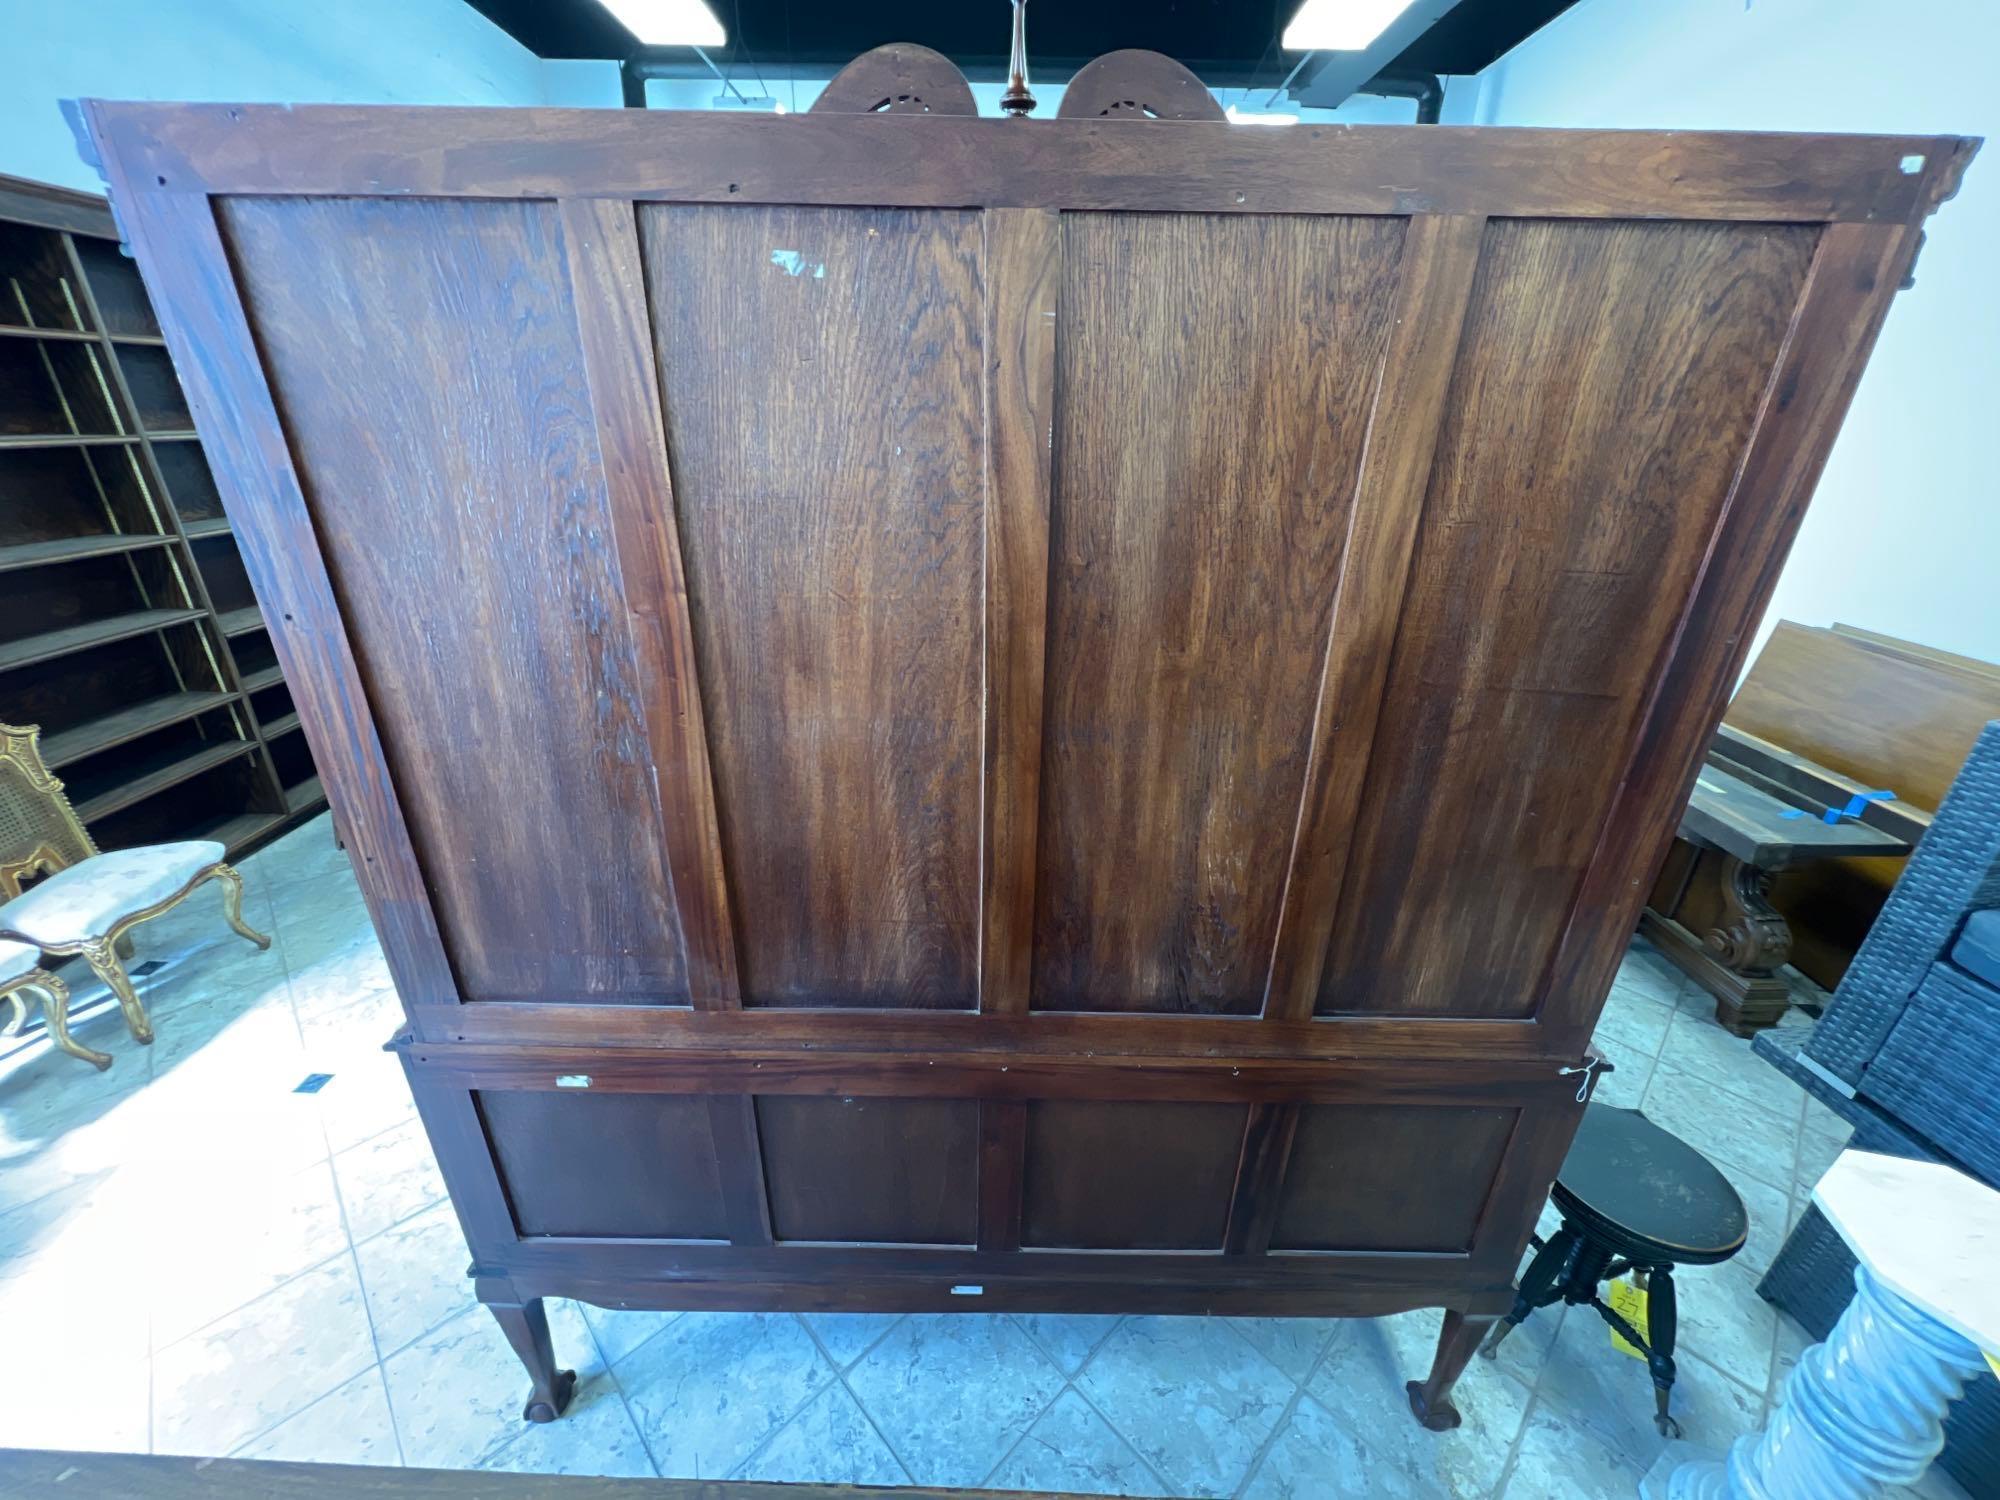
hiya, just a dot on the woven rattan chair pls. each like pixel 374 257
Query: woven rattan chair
pixel 83 901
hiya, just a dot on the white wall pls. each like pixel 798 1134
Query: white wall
pixel 1904 532
pixel 296 51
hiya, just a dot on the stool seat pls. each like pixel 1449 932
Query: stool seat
pixel 1649 1195
pixel 1636 1202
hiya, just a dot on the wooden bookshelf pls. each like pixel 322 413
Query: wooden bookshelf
pixel 127 627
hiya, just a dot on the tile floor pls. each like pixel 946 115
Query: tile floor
pixel 196 1259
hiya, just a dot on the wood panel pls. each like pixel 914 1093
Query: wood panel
pixel 459 497
pixel 877 1170
pixel 693 156
pixel 1607 382
pixel 1560 428
pixel 651 1158
pixel 1136 1176
pixel 1904 720
pixel 1215 379
pixel 1398 1177
pixel 1434 281
pixel 1023 280
pixel 824 391
pixel 601 246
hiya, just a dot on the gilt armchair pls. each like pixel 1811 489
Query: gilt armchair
pixel 83 901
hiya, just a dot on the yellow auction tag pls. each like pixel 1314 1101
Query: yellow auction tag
pixel 1629 1302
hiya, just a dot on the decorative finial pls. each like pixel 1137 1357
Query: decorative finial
pixel 1017 101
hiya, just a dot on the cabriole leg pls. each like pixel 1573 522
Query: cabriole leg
pixel 103 959
pixel 232 906
pixel 1430 1400
pixel 55 1010
pixel 527 1328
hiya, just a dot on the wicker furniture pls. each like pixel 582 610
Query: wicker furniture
pixel 82 901
pixel 1901 1055
pixel 1955 871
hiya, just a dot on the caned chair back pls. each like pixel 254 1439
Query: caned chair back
pixel 40 832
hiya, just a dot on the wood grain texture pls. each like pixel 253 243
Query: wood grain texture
pixel 920 161
pixel 1891 719
pixel 883 1171
pixel 607 278
pixel 1434 283
pixel 202 316
pixel 1215 377
pixel 1023 271
pixel 1397 1177
pixel 1591 439
pixel 1833 327
pixel 652 1158
pixel 1643 382
pixel 1137 1176
pixel 823 381
pixel 1268 1139
pixel 1003 1151
pixel 488 633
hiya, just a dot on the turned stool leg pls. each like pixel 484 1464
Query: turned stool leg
pixel 1662 1319
pixel 526 1325
pixel 1538 1287
pixel 1430 1401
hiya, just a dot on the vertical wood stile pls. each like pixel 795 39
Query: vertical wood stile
pixel 1853 279
pixel 1440 255
pixel 608 283
pixel 180 253
pixel 1023 276
pixel 739 1168
pixel 1003 1148
pixel 1260 1177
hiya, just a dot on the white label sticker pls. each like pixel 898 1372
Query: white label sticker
pixel 573 1081
pixel 968 1291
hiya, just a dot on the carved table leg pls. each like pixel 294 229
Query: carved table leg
pixel 527 1328
pixel 1430 1400
pixel 1862 1412
pixel 1753 945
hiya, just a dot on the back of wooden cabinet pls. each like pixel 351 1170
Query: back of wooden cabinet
pixel 916 682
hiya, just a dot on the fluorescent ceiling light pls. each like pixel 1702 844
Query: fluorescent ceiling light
pixel 1240 116
pixel 668 23
pixel 1336 25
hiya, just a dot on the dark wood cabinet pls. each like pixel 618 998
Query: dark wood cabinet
pixel 966 714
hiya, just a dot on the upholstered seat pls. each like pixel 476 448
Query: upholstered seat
pixel 82 902
pixel 17 961
pixel 66 896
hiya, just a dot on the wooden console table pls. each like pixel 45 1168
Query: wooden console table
pixel 1757 809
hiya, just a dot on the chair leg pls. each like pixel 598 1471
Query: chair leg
pixel 232 906
pixel 103 960
pixel 55 1010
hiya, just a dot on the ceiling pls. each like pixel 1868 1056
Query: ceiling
pixel 1230 43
